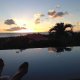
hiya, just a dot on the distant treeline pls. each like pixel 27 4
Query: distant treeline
pixel 40 40
pixel 56 37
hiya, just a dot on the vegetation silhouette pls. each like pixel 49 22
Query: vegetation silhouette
pixel 60 28
pixel 57 37
pixel 59 31
pixel 23 69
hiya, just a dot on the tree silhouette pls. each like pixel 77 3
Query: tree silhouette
pixel 60 28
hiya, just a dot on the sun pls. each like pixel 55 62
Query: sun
pixel 31 26
pixel 27 24
pixel 20 22
pixel 25 31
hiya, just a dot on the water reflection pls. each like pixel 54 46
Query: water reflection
pixel 51 49
pixel 20 50
pixel 23 69
pixel 59 49
pixel 42 65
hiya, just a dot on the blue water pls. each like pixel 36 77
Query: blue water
pixel 44 63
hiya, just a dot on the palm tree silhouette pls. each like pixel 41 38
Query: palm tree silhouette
pixel 60 28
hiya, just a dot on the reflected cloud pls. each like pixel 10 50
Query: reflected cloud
pixel 51 49
pixel 59 49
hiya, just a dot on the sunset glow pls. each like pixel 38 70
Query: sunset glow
pixel 39 39
pixel 33 16
pixel 25 31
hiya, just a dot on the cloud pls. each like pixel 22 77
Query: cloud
pixel 15 28
pixel 58 6
pixel 9 22
pixel 37 21
pixel 78 23
pixel 55 14
pixel 51 13
pixel 38 17
pixel 60 14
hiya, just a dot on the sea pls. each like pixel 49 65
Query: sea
pixel 18 34
pixel 12 34
pixel 49 63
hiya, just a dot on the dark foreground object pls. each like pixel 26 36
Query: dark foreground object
pixel 39 41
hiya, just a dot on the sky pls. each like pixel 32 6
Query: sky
pixel 37 15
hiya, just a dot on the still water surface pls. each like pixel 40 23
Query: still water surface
pixel 43 63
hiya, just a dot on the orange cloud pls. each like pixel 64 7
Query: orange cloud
pixel 15 28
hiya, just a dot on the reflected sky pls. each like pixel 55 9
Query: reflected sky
pixel 43 65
